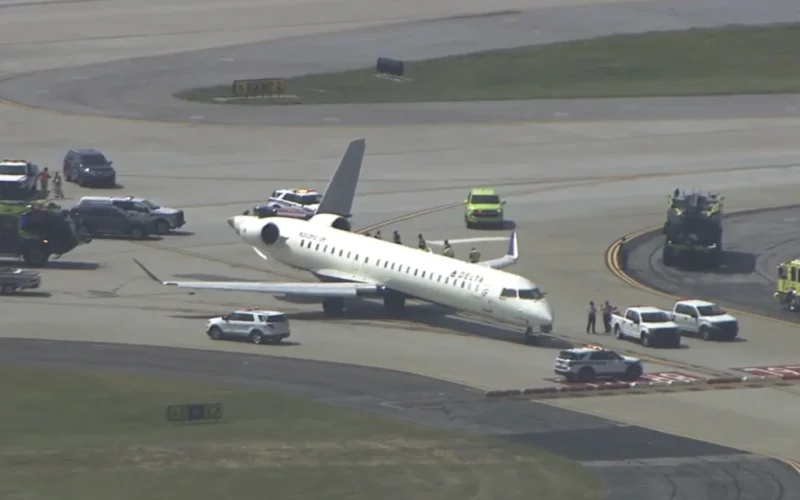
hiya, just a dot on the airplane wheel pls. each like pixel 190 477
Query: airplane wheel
pixel 394 302
pixel 333 308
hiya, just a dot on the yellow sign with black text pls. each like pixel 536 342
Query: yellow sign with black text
pixel 260 87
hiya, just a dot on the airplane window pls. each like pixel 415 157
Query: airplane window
pixel 386 263
pixel 439 278
pixel 416 271
pixel 509 293
pixel 317 246
pixel 423 274
pixel 348 254
pixel 356 257
pixel 378 263
pixel 366 260
pixel 325 249
pixel 531 294
pixel 302 243
pixel 446 280
pixel 341 252
pixel 333 250
pixel 392 266
pixel 463 283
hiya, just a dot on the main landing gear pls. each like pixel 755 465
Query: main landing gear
pixel 394 303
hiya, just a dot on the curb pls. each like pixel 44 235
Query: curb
pixel 622 387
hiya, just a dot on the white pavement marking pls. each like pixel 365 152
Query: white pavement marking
pixel 468 240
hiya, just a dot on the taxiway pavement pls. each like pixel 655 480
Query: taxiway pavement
pixel 573 188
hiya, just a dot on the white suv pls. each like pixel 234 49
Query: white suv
pixel 256 325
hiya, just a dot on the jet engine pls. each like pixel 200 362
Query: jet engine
pixel 331 220
pixel 270 233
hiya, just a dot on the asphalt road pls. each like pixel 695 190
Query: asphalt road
pixel 754 242
pixel 630 459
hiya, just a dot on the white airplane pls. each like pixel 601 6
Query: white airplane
pixel 350 265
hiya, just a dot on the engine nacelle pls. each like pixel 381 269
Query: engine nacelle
pixel 331 220
pixel 270 233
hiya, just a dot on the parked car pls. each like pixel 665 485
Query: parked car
pixel 89 168
pixel 108 220
pixel 705 319
pixel 255 325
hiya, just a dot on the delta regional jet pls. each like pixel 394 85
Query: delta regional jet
pixel 350 265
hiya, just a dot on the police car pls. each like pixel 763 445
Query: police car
pixel 304 200
pixel 586 364
pixel 255 325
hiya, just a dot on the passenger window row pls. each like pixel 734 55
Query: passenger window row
pixel 392 266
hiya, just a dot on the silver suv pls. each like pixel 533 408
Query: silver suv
pixel 256 325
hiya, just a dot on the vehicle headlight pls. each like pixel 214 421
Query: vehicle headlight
pixel 87 170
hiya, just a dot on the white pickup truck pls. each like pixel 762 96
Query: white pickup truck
pixel 649 325
pixel 705 319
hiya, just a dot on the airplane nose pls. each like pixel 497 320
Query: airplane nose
pixel 544 312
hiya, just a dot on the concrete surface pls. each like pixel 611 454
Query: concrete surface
pixel 142 87
pixel 573 188
pixel 754 243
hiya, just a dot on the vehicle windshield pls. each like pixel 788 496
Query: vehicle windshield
pixel 309 199
pixel 655 317
pixel 13 170
pixel 94 161
pixel 531 294
pixel 485 199
pixel 149 204
pixel 712 310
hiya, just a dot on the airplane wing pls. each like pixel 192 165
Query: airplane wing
pixel 510 258
pixel 306 290
pixel 341 190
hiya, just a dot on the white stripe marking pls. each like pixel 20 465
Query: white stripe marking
pixel 469 240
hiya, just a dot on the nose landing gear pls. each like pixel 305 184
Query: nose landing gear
pixel 530 337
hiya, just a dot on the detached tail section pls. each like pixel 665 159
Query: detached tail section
pixel 510 258
pixel 341 191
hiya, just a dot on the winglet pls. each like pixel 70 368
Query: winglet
pixel 341 190
pixel 513 246
pixel 149 273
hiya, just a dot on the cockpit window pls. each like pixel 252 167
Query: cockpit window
pixel 509 292
pixel 531 294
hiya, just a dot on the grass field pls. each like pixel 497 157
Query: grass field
pixel 729 60
pixel 84 436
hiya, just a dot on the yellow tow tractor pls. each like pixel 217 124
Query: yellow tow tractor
pixel 788 285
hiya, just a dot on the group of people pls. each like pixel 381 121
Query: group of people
pixel 607 310
pixel 44 184
pixel 474 254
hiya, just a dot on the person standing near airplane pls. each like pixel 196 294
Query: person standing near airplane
pixel 421 244
pixel 474 255
pixel 396 238
pixel 448 250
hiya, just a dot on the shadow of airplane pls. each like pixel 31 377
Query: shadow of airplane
pixel 426 316
pixel 64 265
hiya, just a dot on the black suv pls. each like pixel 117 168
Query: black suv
pixel 89 167
pixel 108 220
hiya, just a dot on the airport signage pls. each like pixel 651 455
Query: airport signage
pixel 259 87
pixel 195 412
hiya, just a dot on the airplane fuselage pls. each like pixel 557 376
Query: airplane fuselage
pixel 337 255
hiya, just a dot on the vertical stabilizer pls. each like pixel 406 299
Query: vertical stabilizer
pixel 341 191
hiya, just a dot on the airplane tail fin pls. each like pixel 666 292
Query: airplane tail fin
pixel 510 258
pixel 341 191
